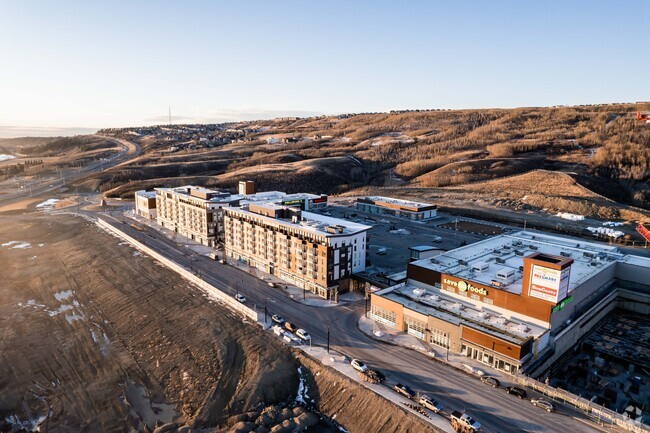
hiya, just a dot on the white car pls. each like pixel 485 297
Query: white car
pixel 277 319
pixel 359 366
pixel 430 403
pixel 241 298
pixel 301 333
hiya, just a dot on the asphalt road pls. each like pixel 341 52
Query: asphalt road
pixel 454 389
pixel 34 188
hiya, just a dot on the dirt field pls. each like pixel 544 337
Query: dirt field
pixel 103 339
pixel 471 227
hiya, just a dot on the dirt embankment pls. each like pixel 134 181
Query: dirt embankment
pixel 96 337
pixel 357 408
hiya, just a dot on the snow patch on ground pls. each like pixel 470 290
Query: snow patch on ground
pixel 60 296
pixel 400 232
pixel 302 396
pixel 17 245
pixel 571 216
pixel 48 204
pixel 72 317
pixel 5 157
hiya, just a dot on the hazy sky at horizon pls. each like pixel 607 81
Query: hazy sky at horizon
pixel 100 64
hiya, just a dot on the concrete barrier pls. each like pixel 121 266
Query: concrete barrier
pixel 214 292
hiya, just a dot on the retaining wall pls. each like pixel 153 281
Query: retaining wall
pixel 223 297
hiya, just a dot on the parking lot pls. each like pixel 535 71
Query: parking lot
pixel 395 235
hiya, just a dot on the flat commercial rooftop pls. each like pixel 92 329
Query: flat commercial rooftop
pixel 508 251
pixel 311 222
pixel 379 198
pixel 452 310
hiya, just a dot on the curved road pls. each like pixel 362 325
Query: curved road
pixel 129 151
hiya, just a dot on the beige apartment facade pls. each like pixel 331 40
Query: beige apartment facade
pixel 194 212
pixel 313 252
pixel 145 204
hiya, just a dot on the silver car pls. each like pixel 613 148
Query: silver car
pixel 544 404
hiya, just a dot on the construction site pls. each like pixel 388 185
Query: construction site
pixel 612 365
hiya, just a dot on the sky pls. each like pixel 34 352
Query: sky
pixel 79 65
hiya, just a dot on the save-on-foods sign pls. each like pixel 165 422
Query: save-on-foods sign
pixel 464 286
pixel 549 284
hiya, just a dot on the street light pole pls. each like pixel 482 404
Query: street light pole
pixel 265 312
pixel 328 339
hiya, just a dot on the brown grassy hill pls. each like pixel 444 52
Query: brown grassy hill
pixel 601 147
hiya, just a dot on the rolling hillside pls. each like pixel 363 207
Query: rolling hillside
pixel 600 148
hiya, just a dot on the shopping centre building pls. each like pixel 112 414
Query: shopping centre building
pixel 396 207
pixel 510 299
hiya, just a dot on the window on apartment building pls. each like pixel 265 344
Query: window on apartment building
pixel 488 301
pixel 474 296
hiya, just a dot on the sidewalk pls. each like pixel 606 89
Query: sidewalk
pixel 385 334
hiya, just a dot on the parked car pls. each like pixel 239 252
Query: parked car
pixel 271 284
pixel 544 404
pixel 241 298
pixel 301 333
pixel 465 420
pixel 359 366
pixel 404 390
pixel 492 381
pixel 290 327
pixel 222 261
pixel 277 319
pixel 213 256
pixel 516 391
pixel 382 251
pixel 377 374
pixel 430 403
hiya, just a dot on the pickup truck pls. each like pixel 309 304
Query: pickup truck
pixel 465 422
pixel 404 390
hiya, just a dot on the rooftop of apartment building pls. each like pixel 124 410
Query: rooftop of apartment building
pixel 147 194
pixel 482 261
pixel 452 310
pixel 410 203
pixel 311 222
pixel 215 196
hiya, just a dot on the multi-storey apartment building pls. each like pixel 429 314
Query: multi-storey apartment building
pixel 312 251
pixel 194 212
pixel 145 204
